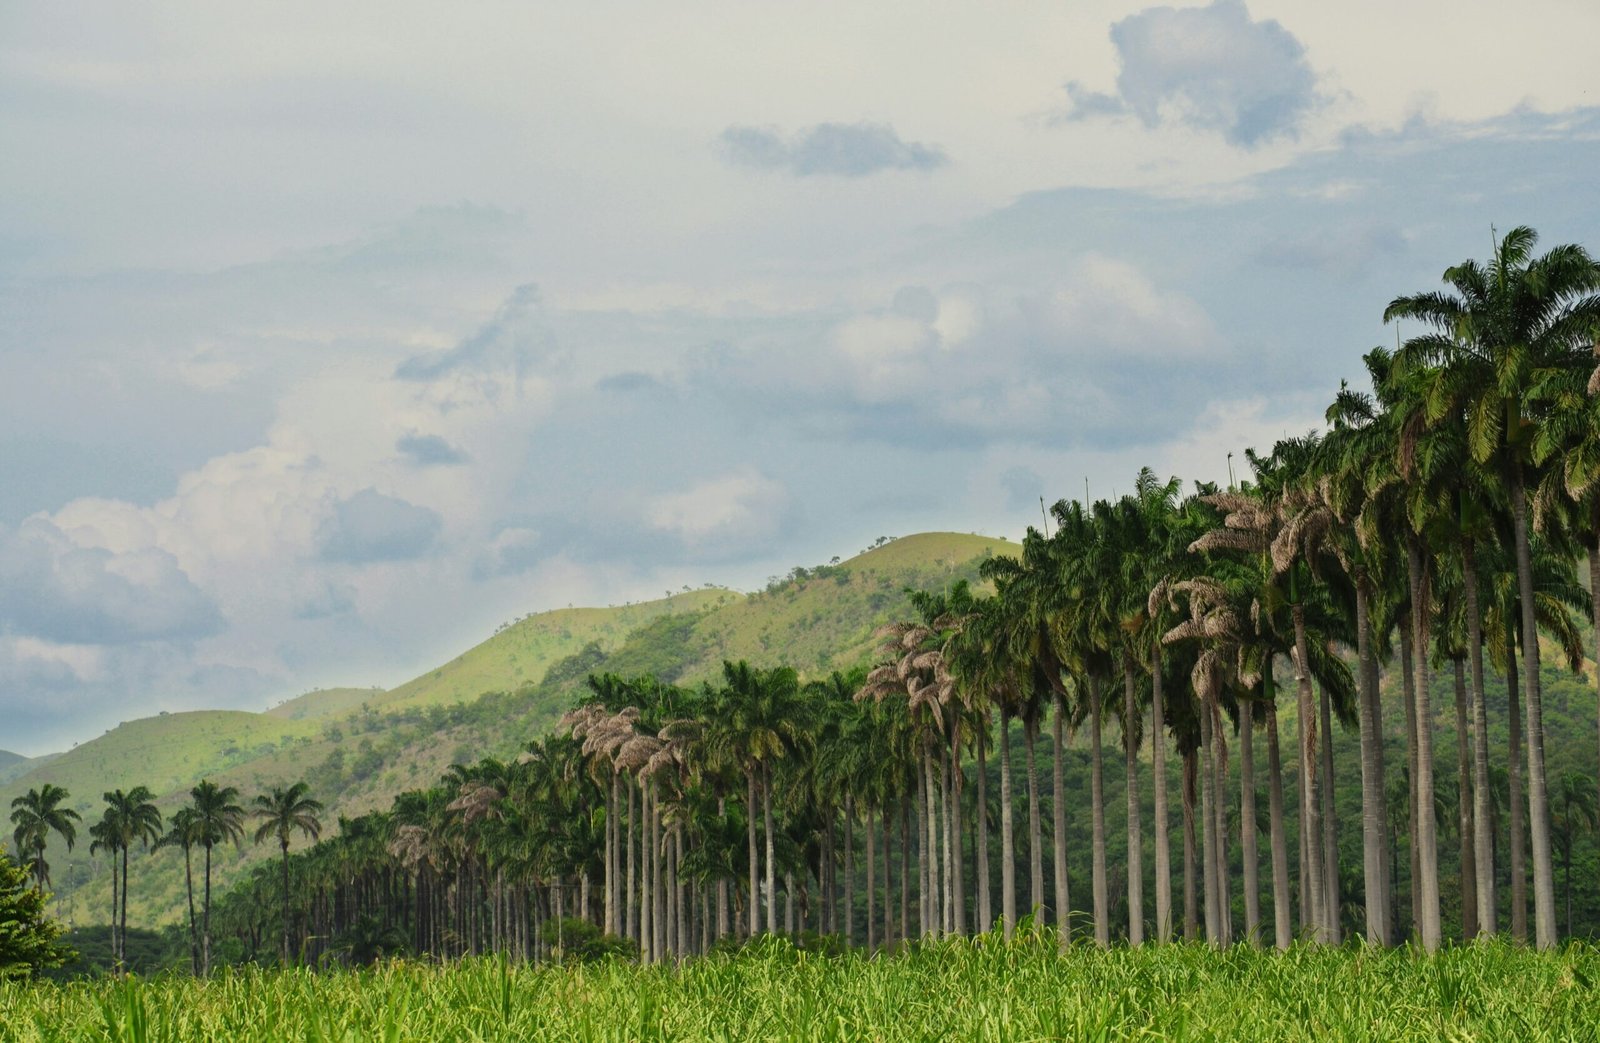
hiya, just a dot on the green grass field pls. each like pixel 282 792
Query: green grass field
pixel 955 991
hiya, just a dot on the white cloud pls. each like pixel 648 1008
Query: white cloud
pixel 723 516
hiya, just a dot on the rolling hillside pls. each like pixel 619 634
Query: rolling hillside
pixel 358 747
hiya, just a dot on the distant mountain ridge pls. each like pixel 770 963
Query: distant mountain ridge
pixel 358 747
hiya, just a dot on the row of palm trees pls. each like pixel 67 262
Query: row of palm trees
pixel 131 818
pixel 1429 532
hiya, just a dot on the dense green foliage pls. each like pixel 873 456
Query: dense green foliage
pixel 955 990
pixel 28 938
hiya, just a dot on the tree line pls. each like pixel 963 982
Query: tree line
pixel 1431 530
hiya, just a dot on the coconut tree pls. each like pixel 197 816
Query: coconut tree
pixel 1489 336
pixel 284 812
pixel 35 815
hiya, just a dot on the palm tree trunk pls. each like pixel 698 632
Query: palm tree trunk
pixel 1030 732
pixel 1409 690
pixel 1544 898
pixel 1464 831
pixel 888 893
pixel 849 869
pixel 1310 827
pixel 1330 822
pixel 1518 807
pixel 771 836
pixel 1102 896
pixel 872 929
pixel 124 912
pixel 1427 824
pixel 1483 827
pixel 1282 928
pixel 1375 891
pixel 1594 608
pixel 1130 756
pixel 1191 863
pixel 1247 823
pixel 631 901
pixel 924 884
pixel 284 844
pixel 905 869
pixel 957 875
pixel 116 899
pixel 1008 839
pixel 188 884
pixel 1219 809
pixel 755 858
pixel 985 889
pixel 1058 824
pixel 1208 825
pixel 1158 771
pixel 930 849
pixel 205 934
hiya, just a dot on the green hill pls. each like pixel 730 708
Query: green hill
pixel 324 702
pixel 521 652
pixel 12 765
pixel 358 747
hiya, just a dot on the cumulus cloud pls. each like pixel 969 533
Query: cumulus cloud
pixel 370 526
pixel 725 516
pixel 836 149
pixel 511 551
pixel 515 340
pixel 53 588
pixel 1213 68
pixel 967 365
pixel 429 451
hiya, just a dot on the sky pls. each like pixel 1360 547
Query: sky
pixel 333 336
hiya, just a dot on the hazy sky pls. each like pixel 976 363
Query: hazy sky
pixel 332 336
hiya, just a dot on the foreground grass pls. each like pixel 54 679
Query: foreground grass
pixel 954 991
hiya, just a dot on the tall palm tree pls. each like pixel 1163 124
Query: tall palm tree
pixel 135 819
pixel 184 832
pixel 1500 325
pixel 218 819
pixel 36 814
pixel 283 812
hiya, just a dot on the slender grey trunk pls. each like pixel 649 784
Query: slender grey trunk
pixel 930 852
pixel 888 891
pixel 1219 755
pixel 1427 824
pixel 1247 822
pixel 631 902
pixel 1208 823
pixel 905 871
pixel 1008 839
pixel 849 869
pixel 1544 884
pixel 1058 824
pixel 1158 769
pixel 1102 895
pixel 1130 754
pixel 924 864
pixel 1517 855
pixel 1283 929
pixel 1372 832
pixel 1464 831
pixel 957 900
pixel 1310 826
pixel 1482 799
pixel 1030 732
pixel 1330 823
pixel 755 858
pixel 1409 690
pixel 1191 856
pixel 985 893
pixel 772 868
pixel 872 929
pixel 1594 609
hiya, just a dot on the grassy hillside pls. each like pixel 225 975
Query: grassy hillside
pixel 521 652
pixel 324 702
pixel 358 747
